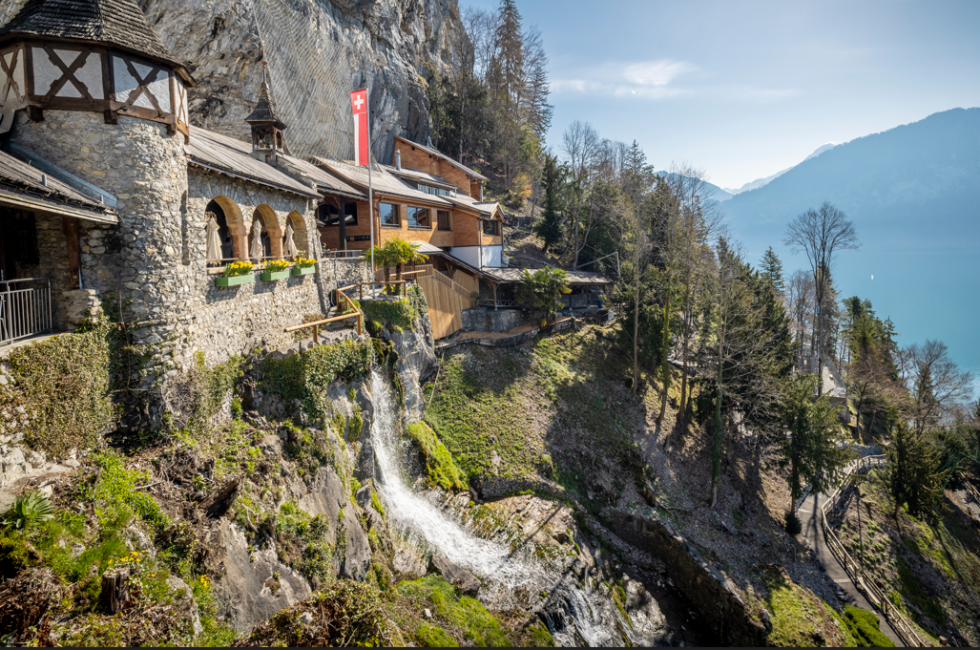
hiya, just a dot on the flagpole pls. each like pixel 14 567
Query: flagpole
pixel 367 109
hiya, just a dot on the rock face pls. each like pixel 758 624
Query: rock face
pixel 317 51
pixel 416 362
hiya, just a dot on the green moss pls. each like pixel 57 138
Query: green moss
pixel 865 628
pixel 60 391
pixel 541 637
pixel 303 376
pixel 800 618
pixel 417 299
pixel 478 626
pixel 397 315
pixel 377 505
pixel 430 636
pixel 440 467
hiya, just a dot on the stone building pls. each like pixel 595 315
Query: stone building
pixel 106 191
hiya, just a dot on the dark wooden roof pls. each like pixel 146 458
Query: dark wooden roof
pixel 120 23
pixel 25 186
pixel 265 109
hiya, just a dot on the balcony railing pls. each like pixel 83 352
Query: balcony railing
pixel 25 311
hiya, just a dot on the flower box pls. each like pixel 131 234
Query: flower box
pixel 234 280
pixel 309 270
pixel 274 275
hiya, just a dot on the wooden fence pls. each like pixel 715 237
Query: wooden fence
pixel 446 300
pixel 868 585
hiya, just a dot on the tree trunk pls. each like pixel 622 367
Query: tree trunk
pixel 115 589
pixel 716 442
pixel 665 350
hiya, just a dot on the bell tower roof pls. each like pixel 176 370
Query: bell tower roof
pixel 118 23
pixel 265 110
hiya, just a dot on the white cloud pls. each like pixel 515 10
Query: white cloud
pixel 660 79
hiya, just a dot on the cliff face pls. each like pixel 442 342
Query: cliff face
pixel 317 51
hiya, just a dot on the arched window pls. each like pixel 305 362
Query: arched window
pixel 271 233
pixel 300 236
pixel 231 228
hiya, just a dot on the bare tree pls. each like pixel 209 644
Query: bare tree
pixel 935 383
pixel 584 151
pixel 821 234
pixel 700 221
pixel 800 297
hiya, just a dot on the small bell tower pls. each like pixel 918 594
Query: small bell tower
pixel 267 128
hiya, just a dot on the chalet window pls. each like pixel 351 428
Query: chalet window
pixel 491 227
pixel 418 218
pixel 429 189
pixel 389 215
pixel 330 215
pixel 444 222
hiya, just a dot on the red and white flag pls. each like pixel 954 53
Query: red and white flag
pixel 358 100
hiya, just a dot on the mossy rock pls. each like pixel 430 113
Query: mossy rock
pixel 440 467
pixel 431 636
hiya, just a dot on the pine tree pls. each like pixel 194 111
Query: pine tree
pixel 772 269
pixel 914 477
pixel 549 228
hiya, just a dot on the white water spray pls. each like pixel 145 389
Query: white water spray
pixel 583 616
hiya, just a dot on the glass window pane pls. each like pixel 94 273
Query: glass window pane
pixel 389 214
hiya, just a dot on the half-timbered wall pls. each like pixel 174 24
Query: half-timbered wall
pixel 52 75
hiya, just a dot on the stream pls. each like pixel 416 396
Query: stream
pixel 577 612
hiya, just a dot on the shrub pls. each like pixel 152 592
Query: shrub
pixel 27 510
pixel 117 498
pixel 396 315
pixel 793 524
pixel 59 394
pixel 303 376
pixel 439 464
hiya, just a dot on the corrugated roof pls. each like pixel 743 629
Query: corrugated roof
pixel 223 154
pixel 22 178
pixel 120 23
pixel 383 179
pixel 422 177
pixel 514 275
pixel 325 181
pixel 432 152
pixel 466 201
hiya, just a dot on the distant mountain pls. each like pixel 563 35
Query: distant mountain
pixel 714 193
pixel 759 182
pixel 920 179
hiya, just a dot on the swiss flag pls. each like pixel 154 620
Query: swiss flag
pixel 358 100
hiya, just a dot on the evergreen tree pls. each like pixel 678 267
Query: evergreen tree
pixel 812 446
pixel 772 270
pixel 914 476
pixel 549 228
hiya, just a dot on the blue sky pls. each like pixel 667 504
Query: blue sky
pixel 745 89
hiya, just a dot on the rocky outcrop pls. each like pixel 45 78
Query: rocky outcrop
pixel 317 51
pixel 416 362
pixel 710 592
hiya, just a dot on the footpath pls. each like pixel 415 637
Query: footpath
pixel 811 516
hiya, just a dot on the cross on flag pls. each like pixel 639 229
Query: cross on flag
pixel 358 100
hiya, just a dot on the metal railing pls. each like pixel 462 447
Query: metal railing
pixel 343 254
pixel 24 312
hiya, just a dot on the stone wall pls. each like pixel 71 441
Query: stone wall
pixel 145 169
pixel 479 319
pixel 222 321
pixel 705 587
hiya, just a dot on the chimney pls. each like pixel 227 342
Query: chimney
pixel 398 160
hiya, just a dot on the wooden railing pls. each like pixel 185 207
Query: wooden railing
pixel 875 593
pixel 347 304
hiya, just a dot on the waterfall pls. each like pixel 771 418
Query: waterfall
pixel 578 615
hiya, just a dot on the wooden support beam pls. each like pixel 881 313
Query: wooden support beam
pixel 69 226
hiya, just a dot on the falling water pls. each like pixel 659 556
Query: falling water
pixel 582 615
